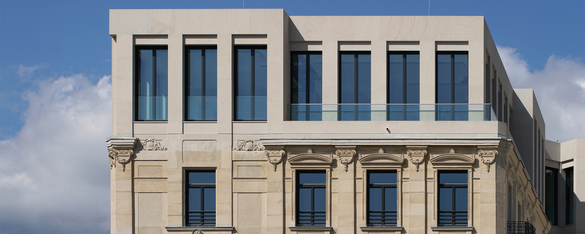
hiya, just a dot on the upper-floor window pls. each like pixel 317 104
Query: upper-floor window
pixel 151 88
pixel 201 83
pixel 551 200
pixel 200 207
pixel 452 86
pixel 570 196
pixel 306 85
pixel 250 83
pixel 311 198
pixel 403 85
pixel 354 86
pixel 382 198
pixel 453 198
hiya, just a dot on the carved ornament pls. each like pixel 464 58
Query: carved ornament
pixel 345 155
pixel 152 145
pixel 274 157
pixel 121 151
pixel 487 155
pixel 249 145
pixel 416 154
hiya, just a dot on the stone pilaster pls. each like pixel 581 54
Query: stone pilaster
pixel 121 153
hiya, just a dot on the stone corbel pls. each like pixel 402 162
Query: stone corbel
pixel 416 154
pixel 487 154
pixel 345 154
pixel 274 156
pixel 121 151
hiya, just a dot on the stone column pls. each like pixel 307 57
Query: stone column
pixel 275 189
pixel 346 218
pixel 121 153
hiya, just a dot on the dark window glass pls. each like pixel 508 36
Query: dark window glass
pixel 250 83
pixel 453 198
pixel 354 86
pixel 452 86
pixel 200 198
pixel 505 109
pixel 382 198
pixel 570 193
pixel 306 85
pixel 551 194
pixel 403 86
pixel 500 102
pixel 311 198
pixel 201 83
pixel 151 77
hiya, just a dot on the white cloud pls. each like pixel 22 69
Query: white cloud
pixel 54 175
pixel 559 88
pixel 25 72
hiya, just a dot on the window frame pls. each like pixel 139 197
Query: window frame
pixel 136 75
pixel 292 53
pixel 186 82
pixel 186 202
pixel 404 84
pixel 312 186
pixel 252 80
pixel 555 195
pixel 469 171
pixel 454 103
pixel 356 107
pixel 390 185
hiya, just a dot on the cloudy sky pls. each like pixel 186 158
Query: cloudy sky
pixel 55 84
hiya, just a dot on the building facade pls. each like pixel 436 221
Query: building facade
pixel 254 121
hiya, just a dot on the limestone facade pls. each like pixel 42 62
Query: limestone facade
pixel 257 163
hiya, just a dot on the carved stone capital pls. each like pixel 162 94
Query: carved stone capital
pixel 274 157
pixel 487 154
pixel 345 155
pixel 121 151
pixel 416 154
pixel 249 145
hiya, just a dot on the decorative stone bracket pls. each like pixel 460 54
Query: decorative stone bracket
pixel 274 157
pixel 345 154
pixel 416 154
pixel 487 154
pixel 121 151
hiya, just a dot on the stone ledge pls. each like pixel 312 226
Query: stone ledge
pixel 381 228
pixel 452 228
pixel 203 228
pixel 311 228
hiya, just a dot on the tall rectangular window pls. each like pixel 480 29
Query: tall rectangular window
pixel 311 198
pixel 551 195
pixel 250 83
pixel 200 193
pixel 403 86
pixel 494 90
pixel 570 196
pixel 382 198
pixel 505 109
pixel 306 85
pixel 452 86
pixel 500 102
pixel 453 198
pixel 354 86
pixel 151 78
pixel 201 83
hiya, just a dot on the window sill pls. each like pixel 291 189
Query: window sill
pixel 151 121
pixel 311 228
pixel 452 228
pixel 249 121
pixel 200 121
pixel 202 228
pixel 381 228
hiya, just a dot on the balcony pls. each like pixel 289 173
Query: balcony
pixel 520 227
pixel 392 112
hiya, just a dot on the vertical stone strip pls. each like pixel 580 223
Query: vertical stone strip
pixel 121 153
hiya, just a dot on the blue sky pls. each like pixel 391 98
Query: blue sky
pixel 55 88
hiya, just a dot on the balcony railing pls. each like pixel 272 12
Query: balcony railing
pixel 392 112
pixel 520 227
pixel 382 218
